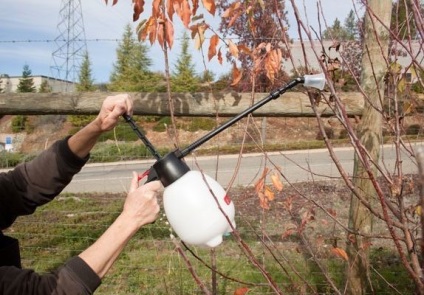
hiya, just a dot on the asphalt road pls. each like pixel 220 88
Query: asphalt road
pixel 296 166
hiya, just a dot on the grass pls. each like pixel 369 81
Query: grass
pixel 151 265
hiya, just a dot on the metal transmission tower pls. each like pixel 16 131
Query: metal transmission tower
pixel 71 43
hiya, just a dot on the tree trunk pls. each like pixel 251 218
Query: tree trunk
pixel 374 67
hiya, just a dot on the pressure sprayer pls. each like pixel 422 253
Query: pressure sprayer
pixel 196 206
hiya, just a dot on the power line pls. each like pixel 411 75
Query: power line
pixel 60 40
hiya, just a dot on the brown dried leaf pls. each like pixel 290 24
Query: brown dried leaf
pixel 243 48
pixel 195 6
pixel 145 27
pixel 340 253
pixel 220 60
pixel 263 201
pixel 210 6
pixel 156 8
pixel 234 17
pixel 241 291
pixel 212 46
pixel 185 14
pixel 272 62
pixel 418 210
pixel 288 233
pixel 237 75
pixel 230 10
pixel 200 36
pixel 170 9
pixel 169 33
pixel 269 194
pixel 288 203
pixel 332 212
pixel 159 35
pixel 275 178
pixel 233 48
pixel 114 2
pixel 259 185
pixel 138 9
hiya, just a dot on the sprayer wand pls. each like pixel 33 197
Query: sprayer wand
pixel 143 138
pixel 273 95
pixel 315 81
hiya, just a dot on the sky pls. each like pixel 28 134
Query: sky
pixel 28 29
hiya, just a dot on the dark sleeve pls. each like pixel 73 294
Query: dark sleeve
pixel 37 182
pixel 75 278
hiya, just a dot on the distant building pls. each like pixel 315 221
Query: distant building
pixel 10 83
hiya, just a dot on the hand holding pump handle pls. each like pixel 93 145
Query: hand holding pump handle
pixel 196 206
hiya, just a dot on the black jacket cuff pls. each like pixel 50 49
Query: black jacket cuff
pixel 84 272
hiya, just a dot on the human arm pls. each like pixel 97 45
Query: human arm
pixel 82 274
pixel 112 109
pixel 140 208
pixel 37 182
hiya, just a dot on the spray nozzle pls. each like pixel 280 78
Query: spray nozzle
pixel 316 81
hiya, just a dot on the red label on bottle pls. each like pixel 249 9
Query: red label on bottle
pixel 227 200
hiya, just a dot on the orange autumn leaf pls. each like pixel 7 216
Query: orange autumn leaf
pixel 169 33
pixel 264 172
pixel 185 13
pixel 145 27
pixel 243 48
pixel 269 193
pixel 220 59
pixel 170 9
pixel 241 291
pixel 263 201
pixel 230 10
pixel 237 75
pixel 233 48
pixel 195 6
pixel 273 62
pixel 212 46
pixel 114 2
pixel 259 185
pixel 340 253
pixel 138 9
pixel 276 182
pixel 210 6
pixel 153 34
pixel 234 18
pixel 155 7
pixel 159 35
pixel 199 35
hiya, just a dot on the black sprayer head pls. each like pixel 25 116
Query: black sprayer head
pixel 170 168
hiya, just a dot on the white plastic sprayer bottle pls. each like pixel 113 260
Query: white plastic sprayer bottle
pixel 197 207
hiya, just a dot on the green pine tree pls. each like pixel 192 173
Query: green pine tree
pixel 26 83
pixel 45 87
pixel 184 77
pixel 403 22
pixel 350 26
pixel 131 71
pixel 336 31
pixel 85 83
pixel 85 80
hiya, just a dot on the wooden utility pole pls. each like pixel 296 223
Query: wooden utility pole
pixel 374 69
